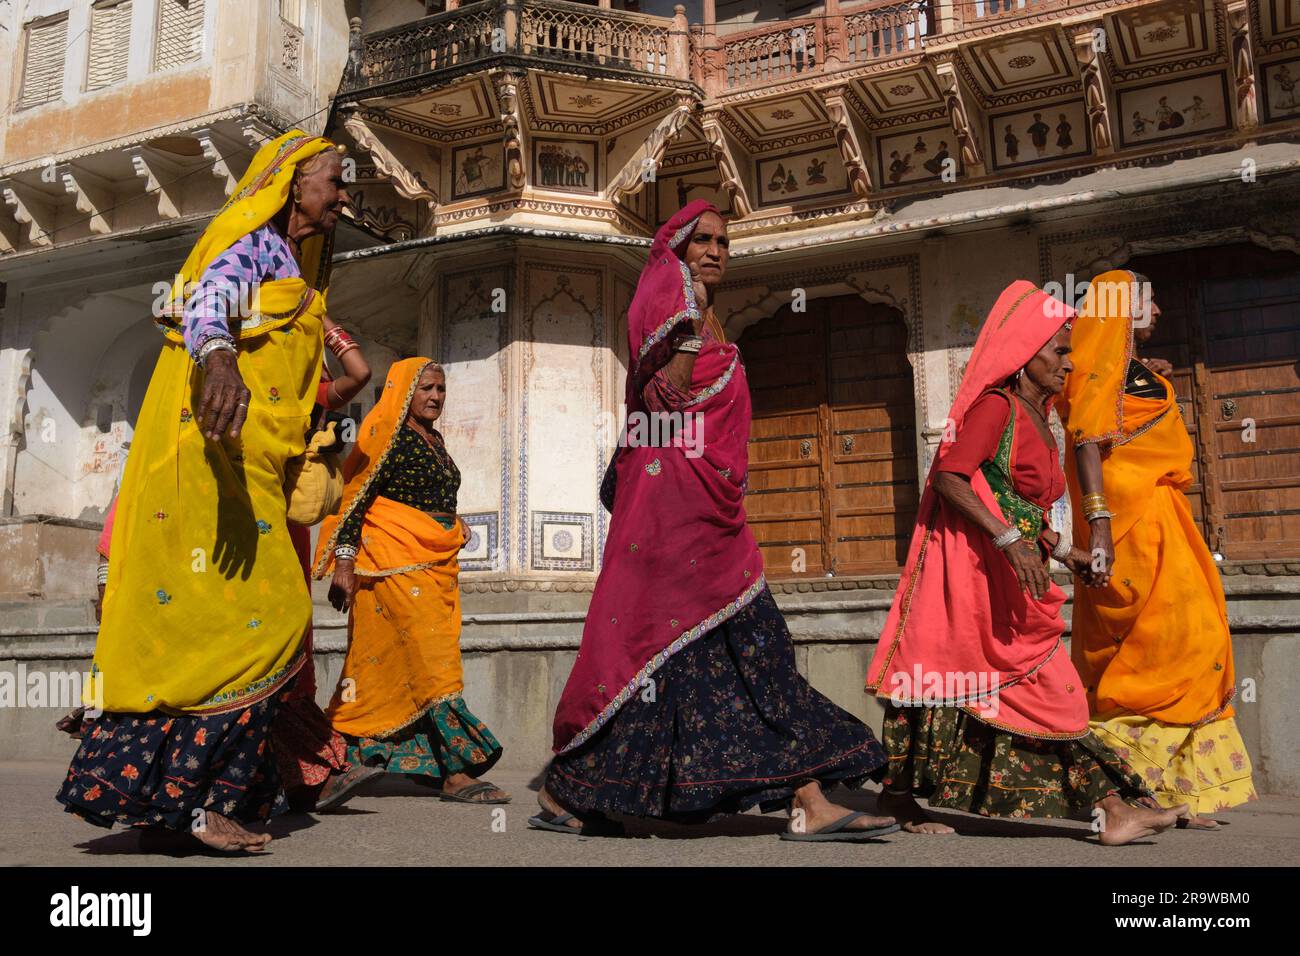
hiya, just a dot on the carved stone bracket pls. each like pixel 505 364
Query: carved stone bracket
pixel 963 115
pixel 1243 65
pixel 513 128
pixel 34 210
pixel 728 170
pixel 1098 93
pixel 220 154
pixel 849 140
pixel 93 195
pixel 631 179
pixel 161 176
pixel 395 158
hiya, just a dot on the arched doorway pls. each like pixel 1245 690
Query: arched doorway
pixel 1230 325
pixel 832 451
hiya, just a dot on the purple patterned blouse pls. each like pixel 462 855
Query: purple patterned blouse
pixel 228 283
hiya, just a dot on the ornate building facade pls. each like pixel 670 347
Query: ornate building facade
pixel 886 168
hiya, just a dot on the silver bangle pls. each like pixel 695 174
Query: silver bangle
pixel 690 343
pixel 215 344
pixel 101 574
pixel 1099 514
pixel 1007 538
pixel 1061 551
pixel 345 552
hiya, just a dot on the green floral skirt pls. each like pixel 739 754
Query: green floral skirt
pixel 959 762
pixel 446 739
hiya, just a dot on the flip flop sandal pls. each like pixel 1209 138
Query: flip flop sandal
pixel 556 823
pixel 469 793
pixel 835 832
pixel 359 776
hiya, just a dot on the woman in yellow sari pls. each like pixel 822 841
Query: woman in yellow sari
pixel 204 619
pixel 1151 643
pixel 393 553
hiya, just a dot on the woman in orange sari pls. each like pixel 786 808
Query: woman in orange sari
pixel 1151 643
pixel 392 550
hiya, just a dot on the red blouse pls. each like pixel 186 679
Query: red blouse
pixel 1036 471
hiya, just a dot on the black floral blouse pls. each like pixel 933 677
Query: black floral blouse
pixel 414 473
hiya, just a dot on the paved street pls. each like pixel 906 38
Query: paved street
pixel 397 824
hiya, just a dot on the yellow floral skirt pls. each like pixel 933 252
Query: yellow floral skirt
pixel 1205 767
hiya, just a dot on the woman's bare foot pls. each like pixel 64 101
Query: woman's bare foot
pixel 812 812
pixel 1186 819
pixel 1123 824
pixel 217 833
pixel 552 809
pixel 456 782
pixel 908 812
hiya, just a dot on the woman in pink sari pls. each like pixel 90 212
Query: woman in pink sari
pixel 985 712
pixel 684 701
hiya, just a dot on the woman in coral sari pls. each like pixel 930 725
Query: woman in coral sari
pixel 684 700
pixel 985 712
pixel 204 619
pixel 1152 644
pixel 393 552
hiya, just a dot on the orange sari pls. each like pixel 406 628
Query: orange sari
pixel 1153 646
pixel 404 628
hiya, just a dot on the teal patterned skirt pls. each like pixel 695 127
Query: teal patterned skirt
pixel 446 739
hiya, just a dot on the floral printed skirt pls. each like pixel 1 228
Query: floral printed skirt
pixel 307 748
pixel 727 724
pixel 158 770
pixel 959 762
pixel 446 739
pixel 1205 767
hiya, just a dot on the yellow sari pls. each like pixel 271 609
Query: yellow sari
pixel 1153 646
pixel 404 628
pixel 208 612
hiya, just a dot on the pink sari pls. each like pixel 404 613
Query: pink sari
pixel 959 609
pixel 679 559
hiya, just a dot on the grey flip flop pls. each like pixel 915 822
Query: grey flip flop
pixel 555 823
pixel 469 793
pixel 835 832
pixel 595 826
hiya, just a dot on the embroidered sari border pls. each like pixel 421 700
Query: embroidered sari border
pixel 687 638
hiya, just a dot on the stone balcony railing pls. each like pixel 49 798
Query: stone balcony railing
pixel 571 34
pixel 539 30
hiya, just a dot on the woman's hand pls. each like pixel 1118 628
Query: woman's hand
pixel 99 603
pixel 343 586
pixel 1031 571
pixel 1101 561
pixel 1159 366
pixel 225 399
pixel 701 296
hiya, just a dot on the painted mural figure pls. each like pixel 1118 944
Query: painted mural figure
pixel 1063 138
pixel 1287 84
pixel 1158 595
pixel 1013 143
pixel 935 164
pixel 1199 113
pixel 899 166
pixel 684 701
pixel 1140 123
pixel 1038 131
pixel 984 711
pixel 1166 116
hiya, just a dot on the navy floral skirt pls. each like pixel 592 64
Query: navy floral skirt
pixel 731 725
pixel 158 770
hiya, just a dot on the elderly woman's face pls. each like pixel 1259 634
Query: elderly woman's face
pixel 708 250
pixel 430 395
pixel 1049 367
pixel 323 192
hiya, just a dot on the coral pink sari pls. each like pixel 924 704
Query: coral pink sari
pixel 679 559
pixel 959 609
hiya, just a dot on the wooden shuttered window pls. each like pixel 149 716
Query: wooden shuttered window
pixel 180 33
pixel 110 44
pixel 44 53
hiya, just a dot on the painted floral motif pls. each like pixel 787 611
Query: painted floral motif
pixel 254 623
pixel 186 415
pixel 654 468
pixel 274 395
pixel 263 527
pixel 163 596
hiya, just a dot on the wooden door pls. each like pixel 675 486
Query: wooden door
pixel 832 481
pixel 1239 307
